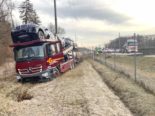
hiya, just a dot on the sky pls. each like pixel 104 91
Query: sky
pixel 96 22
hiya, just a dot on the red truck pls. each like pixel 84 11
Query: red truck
pixel 40 58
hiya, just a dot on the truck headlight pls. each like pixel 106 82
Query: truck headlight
pixel 45 74
pixel 18 77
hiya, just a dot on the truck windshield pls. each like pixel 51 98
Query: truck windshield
pixel 29 53
pixel 132 44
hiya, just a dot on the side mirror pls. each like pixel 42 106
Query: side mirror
pixel 49 51
pixel 48 36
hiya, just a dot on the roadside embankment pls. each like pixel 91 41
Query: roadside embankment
pixel 139 101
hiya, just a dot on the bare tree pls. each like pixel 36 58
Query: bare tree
pixel 10 6
pixel 3 10
pixel 52 29
pixel 1 3
pixel 6 7
pixel 35 18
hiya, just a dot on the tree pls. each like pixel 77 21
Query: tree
pixel 27 13
pixel 6 7
pixel 35 18
pixel 61 30
pixel 10 7
pixel 52 29
pixel 3 14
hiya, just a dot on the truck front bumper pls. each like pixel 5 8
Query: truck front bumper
pixel 43 74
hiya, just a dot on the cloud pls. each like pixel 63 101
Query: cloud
pixel 93 13
pixel 93 21
pixel 85 9
pixel 82 9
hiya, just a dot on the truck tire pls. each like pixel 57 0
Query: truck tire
pixel 56 72
pixel 72 66
pixel 22 80
pixel 41 35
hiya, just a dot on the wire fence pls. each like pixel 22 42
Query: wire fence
pixel 139 68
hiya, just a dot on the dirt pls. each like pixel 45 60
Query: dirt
pixel 79 92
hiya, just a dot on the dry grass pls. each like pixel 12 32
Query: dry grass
pixel 144 64
pixel 19 92
pixel 5 41
pixel 24 95
pixel 140 102
pixel 12 92
pixel 124 65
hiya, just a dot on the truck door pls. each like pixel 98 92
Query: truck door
pixel 54 53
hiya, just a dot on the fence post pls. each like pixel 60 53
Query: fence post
pixel 105 57
pixel 102 56
pixel 93 54
pixel 114 60
pixel 135 59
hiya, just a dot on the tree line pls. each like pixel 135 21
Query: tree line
pixel 27 14
pixel 144 42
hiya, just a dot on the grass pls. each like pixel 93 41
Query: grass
pixel 145 64
pixel 12 92
pixel 144 79
pixel 139 101
pixel 5 41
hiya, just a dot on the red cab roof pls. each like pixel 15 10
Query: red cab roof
pixel 33 42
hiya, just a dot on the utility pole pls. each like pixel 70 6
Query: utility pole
pixel 135 59
pixel 114 55
pixel 119 40
pixel 75 37
pixel 55 13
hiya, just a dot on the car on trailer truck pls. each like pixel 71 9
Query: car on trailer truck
pixel 41 58
pixel 29 32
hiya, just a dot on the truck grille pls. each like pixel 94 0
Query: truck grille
pixel 30 70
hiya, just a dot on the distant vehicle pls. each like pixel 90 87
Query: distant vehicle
pixel 30 32
pixel 117 50
pixel 98 50
pixel 108 50
pixel 131 45
pixel 67 42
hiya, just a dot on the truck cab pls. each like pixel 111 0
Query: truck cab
pixel 38 57
pixel 131 45
pixel 38 60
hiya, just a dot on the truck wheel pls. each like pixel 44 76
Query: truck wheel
pixel 41 35
pixel 18 80
pixel 56 72
pixel 22 80
pixel 72 66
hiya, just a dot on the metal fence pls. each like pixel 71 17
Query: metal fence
pixel 138 67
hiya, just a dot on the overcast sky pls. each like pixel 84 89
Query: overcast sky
pixel 96 22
